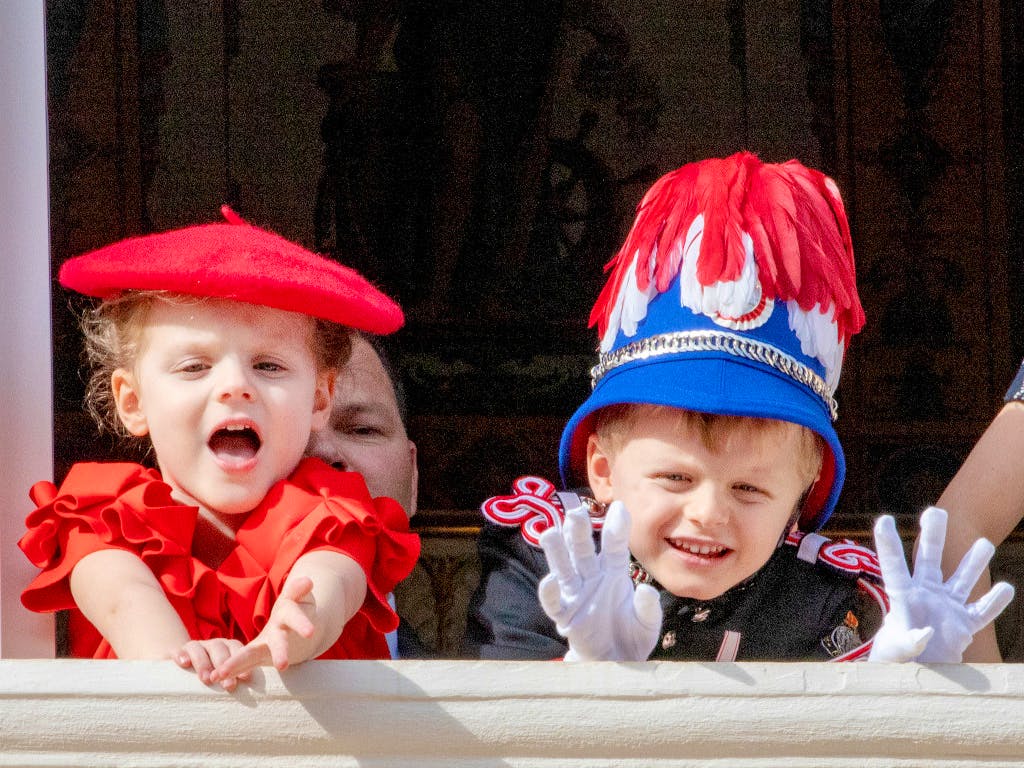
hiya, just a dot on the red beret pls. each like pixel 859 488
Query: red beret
pixel 235 261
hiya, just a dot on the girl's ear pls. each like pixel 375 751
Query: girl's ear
pixel 323 399
pixel 128 402
pixel 599 470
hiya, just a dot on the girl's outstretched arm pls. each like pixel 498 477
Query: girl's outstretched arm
pixel 323 591
pixel 124 601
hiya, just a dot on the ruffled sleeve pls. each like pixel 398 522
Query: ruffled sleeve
pixel 104 506
pixel 321 508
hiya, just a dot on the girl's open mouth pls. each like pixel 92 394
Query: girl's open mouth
pixel 235 445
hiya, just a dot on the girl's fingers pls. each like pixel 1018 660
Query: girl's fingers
pixel 242 662
pixel 296 589
pixel 289 617
pixel 204 656
pixel 220 651
pixel 278 645
pixel 198 659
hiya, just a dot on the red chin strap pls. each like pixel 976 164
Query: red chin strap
pixel 818 494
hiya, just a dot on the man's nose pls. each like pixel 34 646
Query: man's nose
pixel 323 445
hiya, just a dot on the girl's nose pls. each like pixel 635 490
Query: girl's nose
pixel 234 382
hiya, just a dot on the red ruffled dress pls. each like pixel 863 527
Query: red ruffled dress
pixel 126 506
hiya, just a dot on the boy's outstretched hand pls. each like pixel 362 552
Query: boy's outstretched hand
pixel 929 620
pixel 590 596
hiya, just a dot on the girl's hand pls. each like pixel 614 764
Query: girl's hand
pixel 203 656
pixel 290 619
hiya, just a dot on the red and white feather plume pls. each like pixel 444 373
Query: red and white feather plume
pixel 742 235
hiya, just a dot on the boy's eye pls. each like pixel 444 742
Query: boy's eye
pixel 747 488
pixel 674 477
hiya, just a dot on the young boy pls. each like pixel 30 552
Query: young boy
pixel 723 327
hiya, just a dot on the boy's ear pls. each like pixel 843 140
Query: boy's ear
pixel 323 398
pixel 599 471
pixel 129 405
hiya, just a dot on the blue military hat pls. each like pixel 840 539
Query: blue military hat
pixel 734 293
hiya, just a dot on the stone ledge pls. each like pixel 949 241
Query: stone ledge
pixel 463 713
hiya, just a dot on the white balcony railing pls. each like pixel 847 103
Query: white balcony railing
pixel 463 714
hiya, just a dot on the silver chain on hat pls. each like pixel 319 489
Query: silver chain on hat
pixel 715 341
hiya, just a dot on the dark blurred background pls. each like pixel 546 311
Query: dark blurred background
pixel 481 160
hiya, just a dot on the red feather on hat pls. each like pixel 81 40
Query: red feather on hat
pixel 793 215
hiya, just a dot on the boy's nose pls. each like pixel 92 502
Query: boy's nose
pixel 708 507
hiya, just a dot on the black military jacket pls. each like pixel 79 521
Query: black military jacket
pixel 818 601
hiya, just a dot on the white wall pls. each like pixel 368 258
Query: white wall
pixel 26 420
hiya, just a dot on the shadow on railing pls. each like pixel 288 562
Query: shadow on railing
pixel 466 713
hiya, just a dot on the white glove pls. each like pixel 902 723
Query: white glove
pixel 591 597
pixel 928 620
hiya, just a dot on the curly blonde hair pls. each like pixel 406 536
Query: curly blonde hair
pixel 113 332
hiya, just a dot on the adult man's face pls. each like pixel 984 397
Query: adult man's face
pixel 365 433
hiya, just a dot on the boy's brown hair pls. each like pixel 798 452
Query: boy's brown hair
pixel 613 423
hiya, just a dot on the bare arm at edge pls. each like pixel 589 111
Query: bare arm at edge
pixel 986 499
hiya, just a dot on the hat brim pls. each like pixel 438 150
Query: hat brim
pixel 239 262
pixel 712 383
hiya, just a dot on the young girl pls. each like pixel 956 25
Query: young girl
pixel 212 342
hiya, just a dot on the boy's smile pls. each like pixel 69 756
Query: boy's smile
pixel 703 520
pixel 228 393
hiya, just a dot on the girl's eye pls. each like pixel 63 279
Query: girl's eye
pixel 268 366
pixel 195 366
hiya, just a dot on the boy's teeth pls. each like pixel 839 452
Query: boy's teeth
pixel 235 427
pixel 700 549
